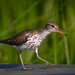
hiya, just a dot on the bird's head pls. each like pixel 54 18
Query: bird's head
pixel 53 27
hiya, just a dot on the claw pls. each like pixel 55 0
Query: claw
pixel 27 68
pixel 48 63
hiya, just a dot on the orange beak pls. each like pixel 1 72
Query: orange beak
pixel 59 31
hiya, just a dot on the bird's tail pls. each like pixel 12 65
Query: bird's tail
pixel 4 41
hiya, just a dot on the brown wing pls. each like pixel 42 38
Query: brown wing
pixel 17 39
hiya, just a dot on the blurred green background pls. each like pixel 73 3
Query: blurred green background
pixel 19 15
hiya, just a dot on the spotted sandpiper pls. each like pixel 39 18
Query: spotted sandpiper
pixel 31 40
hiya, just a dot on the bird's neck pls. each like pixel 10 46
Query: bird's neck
pixel 45 32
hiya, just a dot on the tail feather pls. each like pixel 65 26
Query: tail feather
pixel 6 41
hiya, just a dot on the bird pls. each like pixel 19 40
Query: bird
pixel 31 39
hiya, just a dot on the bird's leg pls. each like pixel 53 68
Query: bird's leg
pixel 47 63
pixel 24 68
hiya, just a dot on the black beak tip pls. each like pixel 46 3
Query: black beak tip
pixel 65 34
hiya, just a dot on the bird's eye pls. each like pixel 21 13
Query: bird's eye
pixel 52 25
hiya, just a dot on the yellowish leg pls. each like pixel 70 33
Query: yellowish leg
pixel 47 63
pixel 24 68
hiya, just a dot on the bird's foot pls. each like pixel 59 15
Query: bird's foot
pixel 24 68
pixel 48 63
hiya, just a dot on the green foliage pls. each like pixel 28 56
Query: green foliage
pixel 19 15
